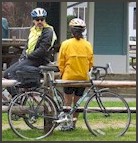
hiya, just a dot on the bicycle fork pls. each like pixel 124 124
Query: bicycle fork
pixel 100 104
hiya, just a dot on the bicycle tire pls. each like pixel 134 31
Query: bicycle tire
pixel 25 100
pixel 58 98
pixel 111 120
pixel 41 114
pixel 27 120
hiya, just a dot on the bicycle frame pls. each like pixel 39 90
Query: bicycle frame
pixel 74 108
pixel 94 89
pixel 52 88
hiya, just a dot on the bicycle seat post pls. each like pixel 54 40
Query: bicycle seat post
pixel 45 82
pixel 48 73
pixel 51 75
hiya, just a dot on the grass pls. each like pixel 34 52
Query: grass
pixel 80 134
pixel 111 103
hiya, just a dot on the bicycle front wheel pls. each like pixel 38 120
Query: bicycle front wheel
pixel 107 113
pixel 31 115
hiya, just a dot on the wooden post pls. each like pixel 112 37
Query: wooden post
pixel 47 122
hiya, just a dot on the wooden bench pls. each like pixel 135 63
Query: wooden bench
pixel 99 83
pixel 63 83
pixel 22 109
pixel 67 83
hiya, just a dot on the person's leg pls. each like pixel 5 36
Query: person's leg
pixel 9 72
pixel 68 99
pixel 76 114
pixel 78 94
pixel 68 94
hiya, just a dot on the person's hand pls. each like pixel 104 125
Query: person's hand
pixel 22 58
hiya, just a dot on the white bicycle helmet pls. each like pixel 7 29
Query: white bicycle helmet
pixel 77 22
pixel 38 12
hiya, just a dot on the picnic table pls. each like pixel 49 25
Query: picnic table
pixel 132 56
pixel 11 50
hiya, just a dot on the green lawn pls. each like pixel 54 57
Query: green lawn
pixel 80 134
pixel 77 135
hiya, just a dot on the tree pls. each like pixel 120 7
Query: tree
pixel 69 18
pixel 17 13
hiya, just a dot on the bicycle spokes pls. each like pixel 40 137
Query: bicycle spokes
pixel 107 114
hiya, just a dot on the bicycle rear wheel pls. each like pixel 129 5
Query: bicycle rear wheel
pixel 107 114
pixel 31 115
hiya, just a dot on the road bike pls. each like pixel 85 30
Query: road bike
pixel 104 112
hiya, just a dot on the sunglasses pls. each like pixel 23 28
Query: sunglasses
pixel 39 18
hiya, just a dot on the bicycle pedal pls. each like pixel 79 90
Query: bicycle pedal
pixel 60 120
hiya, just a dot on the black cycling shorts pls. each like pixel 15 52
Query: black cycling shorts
pixel 78 91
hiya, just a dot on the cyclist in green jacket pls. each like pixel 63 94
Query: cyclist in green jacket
pixel 41 38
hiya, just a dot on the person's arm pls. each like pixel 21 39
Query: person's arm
pixel 23 54
pixel 91 57
pixel 43 44
pixel 61 60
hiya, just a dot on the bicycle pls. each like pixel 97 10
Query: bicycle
pixel 100 115
pixel 29 94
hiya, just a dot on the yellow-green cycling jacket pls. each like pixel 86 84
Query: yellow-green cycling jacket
pixel 39 41
pixel 75 59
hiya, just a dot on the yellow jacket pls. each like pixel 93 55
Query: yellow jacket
pixel 75 59
pixel 35 33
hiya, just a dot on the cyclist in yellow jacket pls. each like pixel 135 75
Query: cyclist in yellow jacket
pixel 75 59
